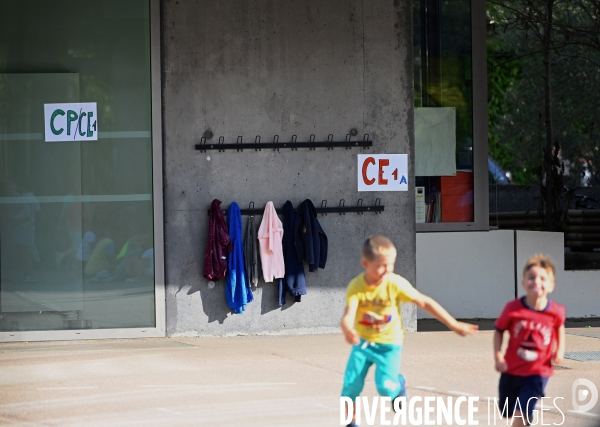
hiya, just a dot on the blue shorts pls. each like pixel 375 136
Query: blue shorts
pixel 528 390
pixel 386 357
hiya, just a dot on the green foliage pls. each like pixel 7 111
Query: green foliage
pixel 517 128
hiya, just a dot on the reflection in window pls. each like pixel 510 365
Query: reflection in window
pixel 76 218
pixel 443 109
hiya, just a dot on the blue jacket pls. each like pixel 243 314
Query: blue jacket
pixel 311 240
pixel 237 291
pixel 294 280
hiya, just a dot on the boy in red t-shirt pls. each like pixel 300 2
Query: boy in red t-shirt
pixel 537 337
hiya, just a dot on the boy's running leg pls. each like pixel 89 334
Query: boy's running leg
pixel 402 392
pixel 532 390
pixel 388 380
pixel 520 393
pixel 357 367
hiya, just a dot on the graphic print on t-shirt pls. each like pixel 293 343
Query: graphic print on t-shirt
pixel 533 338
pixel 376 314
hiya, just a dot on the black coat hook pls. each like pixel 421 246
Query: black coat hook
pixel 359 203
pixel 330 139
pixel 324 205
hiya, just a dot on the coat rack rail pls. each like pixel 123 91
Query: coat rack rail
pixel 330 144
pixel 323 209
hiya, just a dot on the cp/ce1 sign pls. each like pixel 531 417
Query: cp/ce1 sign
pixel 71 122
pixel 383 172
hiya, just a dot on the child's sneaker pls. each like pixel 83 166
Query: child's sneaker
pixel 352 424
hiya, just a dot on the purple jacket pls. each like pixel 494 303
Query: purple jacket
pixel 218 244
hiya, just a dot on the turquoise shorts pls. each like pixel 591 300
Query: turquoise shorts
pixel 386 357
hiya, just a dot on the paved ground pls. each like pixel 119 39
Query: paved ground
pixel 246 381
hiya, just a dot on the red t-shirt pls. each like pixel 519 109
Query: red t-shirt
pixel 533 336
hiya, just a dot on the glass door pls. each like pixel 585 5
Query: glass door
pixel 76 216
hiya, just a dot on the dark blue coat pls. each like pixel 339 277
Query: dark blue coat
pixel 294 280
pixel 311 240
pixel 237 290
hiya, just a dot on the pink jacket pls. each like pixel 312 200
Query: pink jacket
pixel 270 237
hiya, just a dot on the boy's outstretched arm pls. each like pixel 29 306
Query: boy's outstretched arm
pixel 436 310
pixel 347 324
pixel 559 354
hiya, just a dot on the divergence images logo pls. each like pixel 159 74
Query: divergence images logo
pixel 581 394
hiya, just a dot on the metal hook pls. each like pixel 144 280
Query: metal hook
pixel 342 204
pixel 250 207
pixel 203 142
pixel 239 141
pixel 359 203
pixel 276 141
pixel 294 138
pixel 366 138
pixel 310 140
pixel 378 203
pixel 330 139
pixel 257 141
pixel 324 205
pixel 348 136
pixel 221 141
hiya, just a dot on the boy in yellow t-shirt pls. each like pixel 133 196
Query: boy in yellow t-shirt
pixel 372 322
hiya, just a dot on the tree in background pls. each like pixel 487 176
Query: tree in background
pixel 544 76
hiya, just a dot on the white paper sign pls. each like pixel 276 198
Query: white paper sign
pixel 71 122
pixel 382 172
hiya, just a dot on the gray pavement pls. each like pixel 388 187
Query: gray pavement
pixel 247 380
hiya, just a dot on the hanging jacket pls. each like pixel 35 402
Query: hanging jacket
pixel 294 281
pixel 311 240
pixel 237 291
pixel 218 244
pixel 270 235
pixel 251 252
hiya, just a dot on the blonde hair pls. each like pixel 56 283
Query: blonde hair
pixel 375 246
pixel 539 260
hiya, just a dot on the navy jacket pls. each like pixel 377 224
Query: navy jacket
pixel 311 240
pixel 237 290
pixel 294 280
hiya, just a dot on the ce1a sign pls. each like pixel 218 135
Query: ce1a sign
pixel 71 122
pixel 383 172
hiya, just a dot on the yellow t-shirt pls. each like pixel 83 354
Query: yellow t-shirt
pixel 378 316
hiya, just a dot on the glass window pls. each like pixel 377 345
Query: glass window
pixel 76 228
pixel 525 115
pixel 443 111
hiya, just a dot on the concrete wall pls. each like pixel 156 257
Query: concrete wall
pixel 474 274
pixel 282 68
pixel 471 274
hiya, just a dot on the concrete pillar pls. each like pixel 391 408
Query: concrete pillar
pixel 267 67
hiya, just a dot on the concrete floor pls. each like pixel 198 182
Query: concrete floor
pixel 246 381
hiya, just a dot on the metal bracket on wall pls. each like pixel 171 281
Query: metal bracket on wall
pixel 330 144
pixel 324 210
